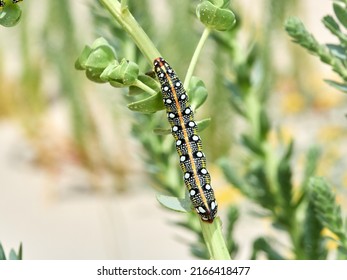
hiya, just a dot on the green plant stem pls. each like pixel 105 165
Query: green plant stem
pixel 130 25
pixel 195 57
pixel 144 87
pixel 214 240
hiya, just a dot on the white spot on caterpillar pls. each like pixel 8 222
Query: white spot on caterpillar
pixel 168 101
pixel 192 192
pixel 213 205
pixel 165 88
pixel 187 175
pixel 178 142
pixel 207 187
pixel 201 209
pixel 183 96
pixel 191 124
pixel 183 158
pixel 199 154
pixel 195 138
pixel 174 128
pixel 203 171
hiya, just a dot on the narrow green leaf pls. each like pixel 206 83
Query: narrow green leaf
pixel 263 245
pixel 2 253
pixel 339 86
pixel 20 251
pixel 13 255
pixel 312 241
pixel 331 24
pixel 338 51
pixel 251 144
pixel 341 14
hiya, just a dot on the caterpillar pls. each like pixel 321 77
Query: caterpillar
pixel 188 143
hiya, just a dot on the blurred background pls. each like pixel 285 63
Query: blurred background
pixel 74 177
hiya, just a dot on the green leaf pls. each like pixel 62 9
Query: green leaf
pixel 10 15
pixel 197 92
pixel 174 203
pixel 312 241
pixel 284 177
pixel 251 144
pixel 330 23
pixel 327 210
pixel 263 245
pixel 264 124
pixel 13 255
pixel 338 51
pixel 80 63
pixel 341 14
pixel 215 18
pixel 120 75
pixel 2 253
pixel 148 105
pixel 203 123
pixel 339 86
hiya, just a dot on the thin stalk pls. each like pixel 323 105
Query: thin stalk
pixel 144 87
pixel 130 25
pixel 195 57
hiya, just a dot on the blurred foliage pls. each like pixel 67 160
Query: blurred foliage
pixel 12 255
pixel 331 54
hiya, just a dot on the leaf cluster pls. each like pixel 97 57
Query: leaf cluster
pixel 334 55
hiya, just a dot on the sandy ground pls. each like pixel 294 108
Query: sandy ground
pixel 81 226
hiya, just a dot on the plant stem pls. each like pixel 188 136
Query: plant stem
pixel 214 240
pixel 144 87
pixel 130 25
pixel 195 57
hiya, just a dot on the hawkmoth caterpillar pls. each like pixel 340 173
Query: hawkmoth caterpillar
pixel 188 143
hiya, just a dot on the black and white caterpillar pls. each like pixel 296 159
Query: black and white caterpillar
pixel 188 143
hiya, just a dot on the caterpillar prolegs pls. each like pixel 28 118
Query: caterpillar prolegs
pixel 188 143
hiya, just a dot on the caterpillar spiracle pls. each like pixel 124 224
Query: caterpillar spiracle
pixel 188 143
